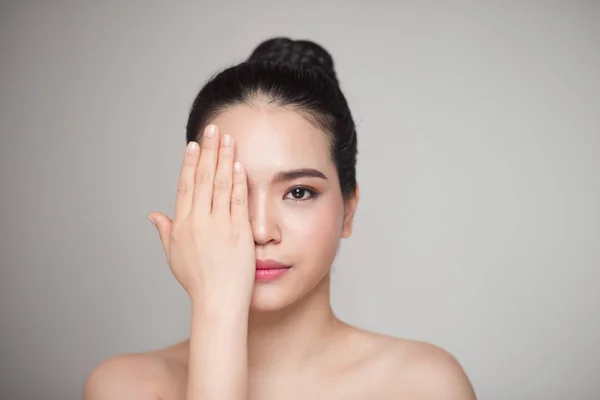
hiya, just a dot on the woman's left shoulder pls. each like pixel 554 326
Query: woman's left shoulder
pixel 416 369
pixel 425 369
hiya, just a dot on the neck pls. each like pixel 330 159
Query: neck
pixel 286 338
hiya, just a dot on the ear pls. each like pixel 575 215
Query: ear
pixel 349 211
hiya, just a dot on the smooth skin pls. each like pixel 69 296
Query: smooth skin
pixel 268 340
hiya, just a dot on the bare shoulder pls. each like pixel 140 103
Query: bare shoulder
pixel 412 369
pixel 425 371
pixel 159 374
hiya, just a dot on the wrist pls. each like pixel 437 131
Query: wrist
pixel 217 367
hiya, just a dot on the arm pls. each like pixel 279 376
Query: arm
pixel 218 354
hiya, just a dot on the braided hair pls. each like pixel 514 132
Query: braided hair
pixel 295 52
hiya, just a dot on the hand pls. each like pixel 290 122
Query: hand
pixel 209 244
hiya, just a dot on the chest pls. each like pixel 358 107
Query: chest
pixel 355 384
pixel 325 386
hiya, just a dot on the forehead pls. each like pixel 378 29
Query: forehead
pixel 270 139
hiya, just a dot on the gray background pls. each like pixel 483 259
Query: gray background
pixel 479 138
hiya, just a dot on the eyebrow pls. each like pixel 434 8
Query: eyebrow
pixel 290 175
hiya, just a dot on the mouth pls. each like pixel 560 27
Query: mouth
pixel 268 270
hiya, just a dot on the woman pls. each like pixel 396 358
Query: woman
pixel 266 192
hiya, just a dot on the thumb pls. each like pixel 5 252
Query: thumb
pixel 163 225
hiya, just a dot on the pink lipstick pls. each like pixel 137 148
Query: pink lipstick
pixel 268 270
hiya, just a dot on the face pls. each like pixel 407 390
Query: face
pixel 297 219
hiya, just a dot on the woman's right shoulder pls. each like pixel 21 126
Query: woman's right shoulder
pixel 134 376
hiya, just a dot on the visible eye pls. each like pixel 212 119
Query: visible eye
pixel 301 194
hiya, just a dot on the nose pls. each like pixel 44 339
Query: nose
pixel 263 219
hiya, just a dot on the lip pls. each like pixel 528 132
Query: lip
pixel 268 270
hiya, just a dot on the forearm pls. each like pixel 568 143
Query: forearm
pixel 218 358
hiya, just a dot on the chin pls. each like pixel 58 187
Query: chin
pixel 269 297
pixel 279 294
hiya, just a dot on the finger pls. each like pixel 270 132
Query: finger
pixel 163 225
pixel 205 172
pixel 185 186
pixel 239 195
pixel 221 202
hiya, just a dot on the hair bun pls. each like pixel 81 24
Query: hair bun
pixel 295 52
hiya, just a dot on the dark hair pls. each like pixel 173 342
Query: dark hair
pixel 289 73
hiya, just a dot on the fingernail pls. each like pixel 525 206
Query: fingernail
pixel 151 218
pixel 226 140
pixel 191 147
pixel 211 130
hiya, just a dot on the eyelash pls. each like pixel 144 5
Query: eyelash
pixel 313 193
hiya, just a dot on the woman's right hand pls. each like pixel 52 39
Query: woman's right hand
pixel 209 243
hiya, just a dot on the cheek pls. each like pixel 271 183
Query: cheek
pixel 316 225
